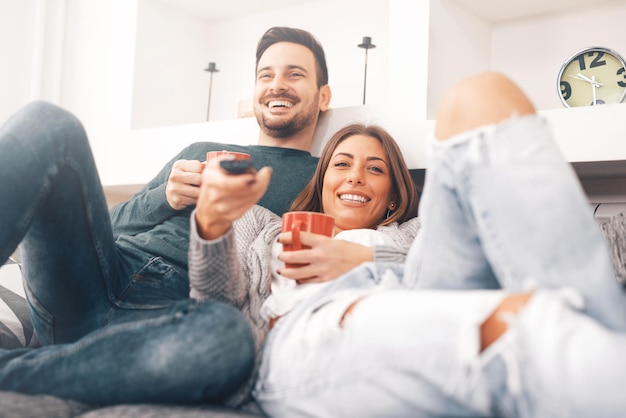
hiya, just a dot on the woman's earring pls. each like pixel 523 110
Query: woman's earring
pixel 390 208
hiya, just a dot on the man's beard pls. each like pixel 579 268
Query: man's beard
pixel 286 128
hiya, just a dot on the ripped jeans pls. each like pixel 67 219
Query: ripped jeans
pixel 501 212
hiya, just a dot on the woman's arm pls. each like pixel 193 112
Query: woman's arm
pixel 214 268
pixel 224 198
pixel 402 235
pixel 329 258
pixel 235 268
pixel 214 265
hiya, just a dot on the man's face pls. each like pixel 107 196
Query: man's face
pixel 286 96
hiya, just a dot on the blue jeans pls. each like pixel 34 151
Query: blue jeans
pixel 116 325
pixel 501 212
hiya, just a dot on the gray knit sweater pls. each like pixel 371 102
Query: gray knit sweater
pixel 235 268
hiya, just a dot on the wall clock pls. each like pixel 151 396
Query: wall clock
pixel 592 76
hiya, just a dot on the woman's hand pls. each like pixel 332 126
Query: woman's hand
pixel 223 197
pixel 326 260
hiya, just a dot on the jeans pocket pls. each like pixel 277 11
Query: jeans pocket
pixel 155 285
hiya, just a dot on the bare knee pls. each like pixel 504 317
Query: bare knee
pixel 349 310
pixel 495 325
pixel 482 99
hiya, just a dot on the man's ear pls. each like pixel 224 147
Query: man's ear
pixel 325 96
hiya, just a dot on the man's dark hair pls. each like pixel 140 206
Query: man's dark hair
pixel 296 36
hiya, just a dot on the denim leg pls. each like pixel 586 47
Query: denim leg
pixel 446 253
pixel 52 201
pixel 502 204
pixel 570 365
pixel 193 352
pixel 398 354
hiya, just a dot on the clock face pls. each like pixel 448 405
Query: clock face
pixel 592 77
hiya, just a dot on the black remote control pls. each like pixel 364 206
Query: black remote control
pixel 237 166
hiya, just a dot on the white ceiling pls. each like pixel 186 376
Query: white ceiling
pixel 211 10
pixel 492 10
pixel 502 10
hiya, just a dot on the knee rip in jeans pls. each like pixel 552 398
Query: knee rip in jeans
pixel 490 330
pixel 496 324
pixel 349 310
pixel 272 321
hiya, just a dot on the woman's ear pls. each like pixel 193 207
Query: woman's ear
pixel 391 206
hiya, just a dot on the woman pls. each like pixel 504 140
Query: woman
pixel 361 180
pixel 500 210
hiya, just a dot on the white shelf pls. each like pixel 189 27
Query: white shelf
pixel 498 11
pixel 593 134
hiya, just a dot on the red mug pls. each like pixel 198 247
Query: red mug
pixel 231 154
pixel 296 222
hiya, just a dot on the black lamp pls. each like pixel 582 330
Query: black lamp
pixel 367 44
pixel 211 69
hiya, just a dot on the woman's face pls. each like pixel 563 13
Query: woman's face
pixel 357 184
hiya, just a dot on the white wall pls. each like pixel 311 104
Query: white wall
pixel 409 38
pixel 75 53
pixel 173 49
pixel 17 47
pixel 97 72
pixel 99 54
pixel 170 86
pixel 31 44
pixel 459 45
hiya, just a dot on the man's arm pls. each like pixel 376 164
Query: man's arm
pixel 150 206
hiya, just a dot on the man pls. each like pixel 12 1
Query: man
pixel 108 295
pixel 291 90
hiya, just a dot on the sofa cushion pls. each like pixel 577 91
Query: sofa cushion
pixel 15 327
pixel 20 405
pixel 165 411
pixel 614 230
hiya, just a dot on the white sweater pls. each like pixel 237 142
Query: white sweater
pixel 237 269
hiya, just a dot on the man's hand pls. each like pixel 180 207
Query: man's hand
pixel 326 260
pixel 182 186
pixel 223 197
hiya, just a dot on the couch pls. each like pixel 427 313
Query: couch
pixel 16 331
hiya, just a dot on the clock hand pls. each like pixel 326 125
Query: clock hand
pixel 593 88
pixel 587 79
